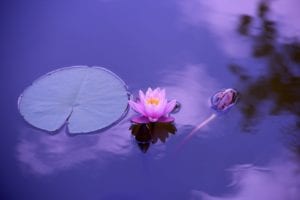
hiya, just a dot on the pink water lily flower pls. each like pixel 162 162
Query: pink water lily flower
pixel 153 106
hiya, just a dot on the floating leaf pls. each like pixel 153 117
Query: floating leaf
pixel 87 98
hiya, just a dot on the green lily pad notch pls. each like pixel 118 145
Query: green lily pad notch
pixel 86 99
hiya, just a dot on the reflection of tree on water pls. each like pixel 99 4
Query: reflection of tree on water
pixel 145 134
pixel 281 82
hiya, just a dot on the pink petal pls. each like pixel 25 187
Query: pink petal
pixel 142 96
pixel 149 110
pixel 159 110
pixel 149 92
pixel 162 105
pixel 165 119
pixel 170 106
pixel 163 94
pixel 140 120
pixel 155 111
pixel 156 92
pixel 152 119
pixel 136 107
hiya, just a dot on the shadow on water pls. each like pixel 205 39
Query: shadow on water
pixel 279 81
pixel 146 134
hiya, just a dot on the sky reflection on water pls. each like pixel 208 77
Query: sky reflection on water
pixel 184 46
pixel 192 87
pixel 45 154
pixel 277 181
pixel 221 19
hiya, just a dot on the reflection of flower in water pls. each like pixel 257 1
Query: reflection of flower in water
pixel 153 106
pixel 277 182
pixel 145 134
pixel 45 154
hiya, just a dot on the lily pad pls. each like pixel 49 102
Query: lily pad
pixel 86 98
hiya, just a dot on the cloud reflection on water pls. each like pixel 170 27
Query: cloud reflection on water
pixel 221 18
pixel 192 87
pixel 45 154
pixel 278 181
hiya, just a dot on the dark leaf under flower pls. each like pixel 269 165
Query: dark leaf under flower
pixel 147 134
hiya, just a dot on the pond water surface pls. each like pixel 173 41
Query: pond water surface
pixel 193 49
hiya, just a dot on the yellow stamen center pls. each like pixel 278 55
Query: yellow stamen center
pixel 153 101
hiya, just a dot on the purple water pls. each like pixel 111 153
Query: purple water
pixel 193 48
